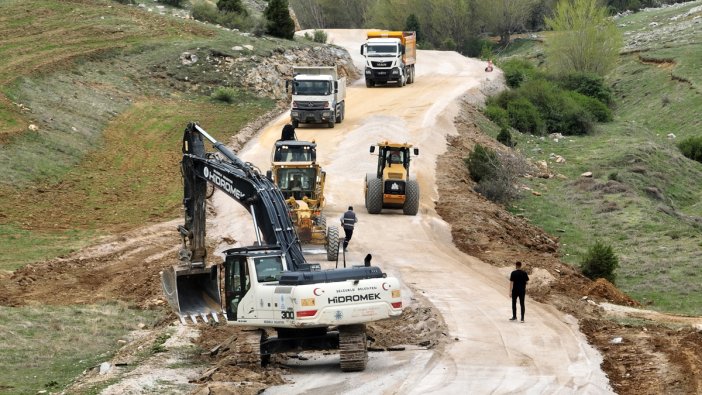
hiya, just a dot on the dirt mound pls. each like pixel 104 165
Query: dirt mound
pixel 603 290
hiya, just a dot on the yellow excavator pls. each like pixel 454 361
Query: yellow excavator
pixel 294 169
pixel 391 186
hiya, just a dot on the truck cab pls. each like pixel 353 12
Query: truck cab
pixel 390 57
pixel 318 96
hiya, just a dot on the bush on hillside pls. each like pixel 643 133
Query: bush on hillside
pixel 591 85
pixel 497 114
pixel 517 71
pixel 482 163
pixel 525 117
pixel 600 262
pixel 174 3
pixel 599 111
pixel 318 36
pixel 561 113
pixel 206 12
pixel 225 95
pixel 234 6
pixel 691 147
pixel 505 137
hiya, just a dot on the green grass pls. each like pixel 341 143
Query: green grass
pixel 657 238
pixel 46 347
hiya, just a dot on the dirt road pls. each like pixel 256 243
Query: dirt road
pixel 488 353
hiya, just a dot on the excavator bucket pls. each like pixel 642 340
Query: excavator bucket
pixel 192 292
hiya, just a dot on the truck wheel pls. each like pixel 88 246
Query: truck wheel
pixel 343 112
pixel 374 196
pixel 332 245
pixel 330 124
pixel 338 115
pixel 411 198
pixel 295 123
pixel 410 78
pixel 353 348
pixel 369 84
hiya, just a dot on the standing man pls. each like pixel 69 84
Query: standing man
pixel 517 289
pixel 348 220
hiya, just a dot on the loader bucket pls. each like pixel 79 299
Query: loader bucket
pixel 192 292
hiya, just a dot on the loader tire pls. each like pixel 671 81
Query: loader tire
pixel 353 348
pixel 332 245
pixel 374 196
pixel 411 198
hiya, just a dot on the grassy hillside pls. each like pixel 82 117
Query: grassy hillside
pixel 104 85
pixel 644 196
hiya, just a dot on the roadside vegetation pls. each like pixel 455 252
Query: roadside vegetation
pixel 46 347
pixel 643 196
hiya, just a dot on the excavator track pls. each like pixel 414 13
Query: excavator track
pixel 353 349
pixel 247 348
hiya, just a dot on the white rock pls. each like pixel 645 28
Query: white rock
pixel 616 340
pixel 33 127
pixel 586 174
pixel 105 367
pixel 249 47
pixel 671 136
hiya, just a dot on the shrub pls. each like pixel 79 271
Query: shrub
pixel 319 36
pixel 497 114
pixel 482 162
pixel 174 3
pixel 234 6
pixel 505 137
pixel 691 147
pixel 225 95
pixel 206 12
pixel 561 113
pixel 591 85
pixel 525 117
pixel 448 44
pixel 499 184
pixel 518 71
pixel 599 111
pixel 600 262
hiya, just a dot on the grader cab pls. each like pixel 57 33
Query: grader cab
pixel 294 169
pixel 391 186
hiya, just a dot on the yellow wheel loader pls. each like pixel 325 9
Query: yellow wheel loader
pixel 294 169
pixel 391 186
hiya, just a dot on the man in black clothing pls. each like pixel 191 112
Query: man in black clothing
pixel 517 289
pixel 348 220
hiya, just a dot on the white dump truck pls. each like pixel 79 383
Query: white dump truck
pixel 318 96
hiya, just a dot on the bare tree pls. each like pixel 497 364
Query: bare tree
pixel 505 17
pixel 309 13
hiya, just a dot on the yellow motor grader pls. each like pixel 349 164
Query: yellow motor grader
pixel 294 169
pixel 391 185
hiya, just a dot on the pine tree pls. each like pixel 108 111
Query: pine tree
pixel 280 24
pixel 412 25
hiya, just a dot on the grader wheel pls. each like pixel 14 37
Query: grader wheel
pixel 332 245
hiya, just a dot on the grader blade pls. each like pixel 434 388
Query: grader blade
pixel 192 292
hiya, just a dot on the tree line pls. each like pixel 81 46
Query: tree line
pixel 456 25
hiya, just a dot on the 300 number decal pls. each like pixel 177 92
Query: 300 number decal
pixel 287 315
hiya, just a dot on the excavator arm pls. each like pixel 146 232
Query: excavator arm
pixel 243 183
pixel 192 287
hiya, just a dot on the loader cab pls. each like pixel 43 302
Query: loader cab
pixel 244 269
pixel 394 158
pixel 294 151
